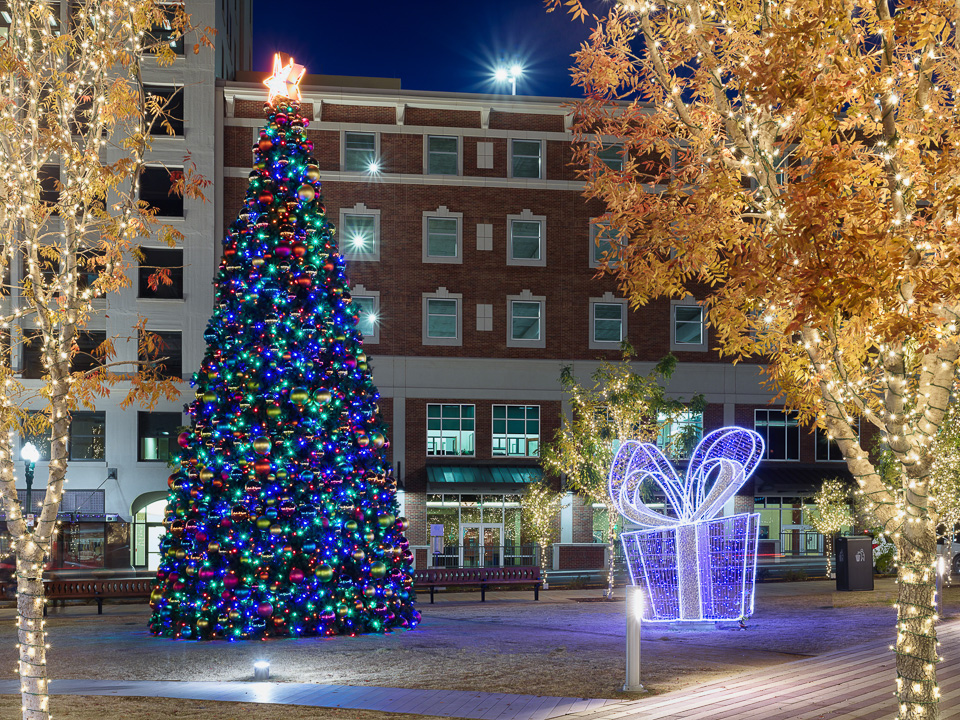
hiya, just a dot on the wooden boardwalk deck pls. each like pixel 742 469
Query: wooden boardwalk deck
pixel 853 684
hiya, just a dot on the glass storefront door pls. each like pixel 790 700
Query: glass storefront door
pixel 480 545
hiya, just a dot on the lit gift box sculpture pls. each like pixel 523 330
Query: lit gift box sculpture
pixel 691 567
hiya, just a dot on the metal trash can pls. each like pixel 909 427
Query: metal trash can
pixel 854 563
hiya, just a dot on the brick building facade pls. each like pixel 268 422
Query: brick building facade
pixel 471 250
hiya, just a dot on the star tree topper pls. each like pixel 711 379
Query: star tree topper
pixel 285 80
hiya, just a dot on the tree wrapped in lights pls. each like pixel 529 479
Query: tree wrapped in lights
pixel 831 513
pixel 540 505
pixel 814 206
pixel 616 405
pixel 70 217
pixel 282 515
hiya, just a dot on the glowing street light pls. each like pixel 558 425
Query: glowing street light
pixel 29 454
pixel 509 74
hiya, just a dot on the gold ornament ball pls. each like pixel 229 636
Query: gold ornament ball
pixel 313 173
pixel 307 192
pixel 378 570
pixel 262 445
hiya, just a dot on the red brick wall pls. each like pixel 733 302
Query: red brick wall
pixel 581 557
pixel 525 121
pixel 254 108
pixel 435 117
pixel 238 146
pixel 582 512
pixel 470 168
pixel 401 154
pixel 326 149
pixel 373 114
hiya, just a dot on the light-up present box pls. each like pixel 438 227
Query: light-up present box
pixel 692 566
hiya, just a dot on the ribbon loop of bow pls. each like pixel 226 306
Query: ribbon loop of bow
pixel 720 465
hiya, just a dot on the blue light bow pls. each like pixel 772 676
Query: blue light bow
pixel 720 465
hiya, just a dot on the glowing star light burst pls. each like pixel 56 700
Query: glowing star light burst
pixel 285 81
pixel 691 567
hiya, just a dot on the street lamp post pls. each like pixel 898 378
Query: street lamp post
pixel 29 454
pixel 509 74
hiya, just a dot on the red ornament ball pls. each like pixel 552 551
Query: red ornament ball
pixel 265 610
pixel 184 439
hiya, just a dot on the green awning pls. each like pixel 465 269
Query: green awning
pixel 483 474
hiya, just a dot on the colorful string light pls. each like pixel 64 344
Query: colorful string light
pixel 282 515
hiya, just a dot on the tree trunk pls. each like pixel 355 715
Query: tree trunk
pixel 31 635
pixel 828 542
pixel 917 691
pixel 611 548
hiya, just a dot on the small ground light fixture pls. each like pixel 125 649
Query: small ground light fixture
pixel 261 670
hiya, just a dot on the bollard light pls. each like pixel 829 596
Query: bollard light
pixel 261 670
pixel 634 612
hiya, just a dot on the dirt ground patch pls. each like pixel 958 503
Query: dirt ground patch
pixel 113 708
pixel 508 644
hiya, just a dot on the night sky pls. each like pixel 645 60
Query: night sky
pixel 445 45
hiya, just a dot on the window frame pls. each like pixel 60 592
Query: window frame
pixel 428 153
pixel 527 297
pixel 442 213
pixel 359 291
pixel 86 414
pixel 170 197
pixel 820 439
pixel 173 364
pixel 506 435
pixel 613 146
pixel 441 294
pixel 343 150
pixel 176 92
pixel 527 216
pixel 702 346
pixel 675 427
pixel 595 228
pixel 461 418
pixel 360 210
pixel 607 299
pixel 786 429
pixel 176 275
pixel 141 415
pixel 514 157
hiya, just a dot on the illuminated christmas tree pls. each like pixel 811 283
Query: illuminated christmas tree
pixel 282 515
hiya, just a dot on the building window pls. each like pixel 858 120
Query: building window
pixel 89 353
pixel 443 155
pixel 450 429
pixel 442 320
pixel 611 156
pixel 525 320
pixel 157 189
pixel 367 303
pixel 36 430
pixel 827 449
pixel 442 236
pixel 608 322
pixel 31 356
pixel 165 34
pixel 88 436
pixel 160 274
pixel 605 246
pixel 360 233
pixel 781 433
pixel 516 430
pixel 687 328
pixel 526 239
pixel 164 105
pixel 157 433
pixel 680 434
pixel 163 352
pixel 525 158
pixel 49 177
pixel 360 151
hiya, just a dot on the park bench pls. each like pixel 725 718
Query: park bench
pixel 484 577
pixel 98 590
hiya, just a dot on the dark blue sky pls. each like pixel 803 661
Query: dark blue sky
pixel 446 45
